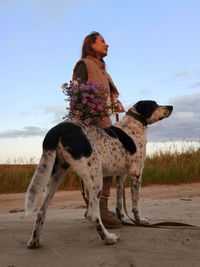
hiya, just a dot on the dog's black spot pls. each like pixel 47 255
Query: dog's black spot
pixel 100 230
pixel 60 162
pixel 87 192
pixel 39 219
pixel 32 190
pixel 55 166
pixel 42 167
pixel 124 138
pixel 135 186
pixel 56 178
pixel 110 132
pixel 35 234
pixel 65 165
pixel 99 194
pixel 89 163
pixel 71 137
pixel 146 108
pixel 140 145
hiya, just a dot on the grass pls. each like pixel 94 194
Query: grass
pixel 15 178
pixel 160 168
pixel 172 168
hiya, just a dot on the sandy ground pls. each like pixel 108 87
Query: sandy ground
pixel 70 241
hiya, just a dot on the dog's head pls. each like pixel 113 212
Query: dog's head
pixel 150 112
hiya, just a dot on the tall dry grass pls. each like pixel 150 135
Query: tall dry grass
pixel 15 178
pixel 167 168
pixel 161 168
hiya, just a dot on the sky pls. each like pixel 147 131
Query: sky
pixel 153 54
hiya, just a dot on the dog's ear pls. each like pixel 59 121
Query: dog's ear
pixel 146 107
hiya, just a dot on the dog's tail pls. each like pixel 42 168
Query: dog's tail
pixel 40 179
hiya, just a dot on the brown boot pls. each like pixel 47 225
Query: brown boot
pixel 108 218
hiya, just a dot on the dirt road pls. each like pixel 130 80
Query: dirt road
pixel 70 241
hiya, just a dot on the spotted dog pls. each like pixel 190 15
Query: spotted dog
pixel 94 153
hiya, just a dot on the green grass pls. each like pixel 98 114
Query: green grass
pixel 161 168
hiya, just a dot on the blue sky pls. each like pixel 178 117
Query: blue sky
pixel 153 54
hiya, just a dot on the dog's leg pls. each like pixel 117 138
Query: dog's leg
pixel 93 187
pixel 135 188
pixel 50 190
pixel 120 192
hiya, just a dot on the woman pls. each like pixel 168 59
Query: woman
pixel 92 67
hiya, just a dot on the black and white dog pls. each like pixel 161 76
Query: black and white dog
pixel 94 153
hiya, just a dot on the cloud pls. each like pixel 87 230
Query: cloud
pixel 51 116
pixel 186 74
pixel 45 4
pixel 195 85
pixel 186 103
pixel 28 131
pixel 56 113
pixel 48 10
pixel 182 74
pixel 184 123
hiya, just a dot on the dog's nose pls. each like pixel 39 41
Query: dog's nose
pixel 170 108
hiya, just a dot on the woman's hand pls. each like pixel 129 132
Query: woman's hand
pixel 119 107
pixel 104 122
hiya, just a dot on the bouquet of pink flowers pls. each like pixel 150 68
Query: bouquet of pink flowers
pixel 88 102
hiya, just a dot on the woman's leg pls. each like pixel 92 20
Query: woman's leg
pixel 108 218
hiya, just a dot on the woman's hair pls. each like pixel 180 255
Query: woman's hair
pixel 87 44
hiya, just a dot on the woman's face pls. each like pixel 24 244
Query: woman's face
pixel 100 47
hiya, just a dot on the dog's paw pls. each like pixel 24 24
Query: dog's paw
pixel 144 221
pixel 111 239
pixel 32 244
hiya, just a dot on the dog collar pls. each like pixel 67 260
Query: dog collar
pixel 137 117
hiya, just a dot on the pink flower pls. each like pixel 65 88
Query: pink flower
pixel 93 112
pixel 87 101
pixel 92 96
pixel 87 121
pixel 85 95
pixel 100 107
pixel 84 100
pixel 82 87
pixel 76 118
pixel 89 104
pixel 64 86
pixel 74 98
pixel 75 90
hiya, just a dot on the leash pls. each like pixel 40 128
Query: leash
pixel 163 225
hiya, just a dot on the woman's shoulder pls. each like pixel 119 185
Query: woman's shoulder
pixel 80 64
pixel 80 70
